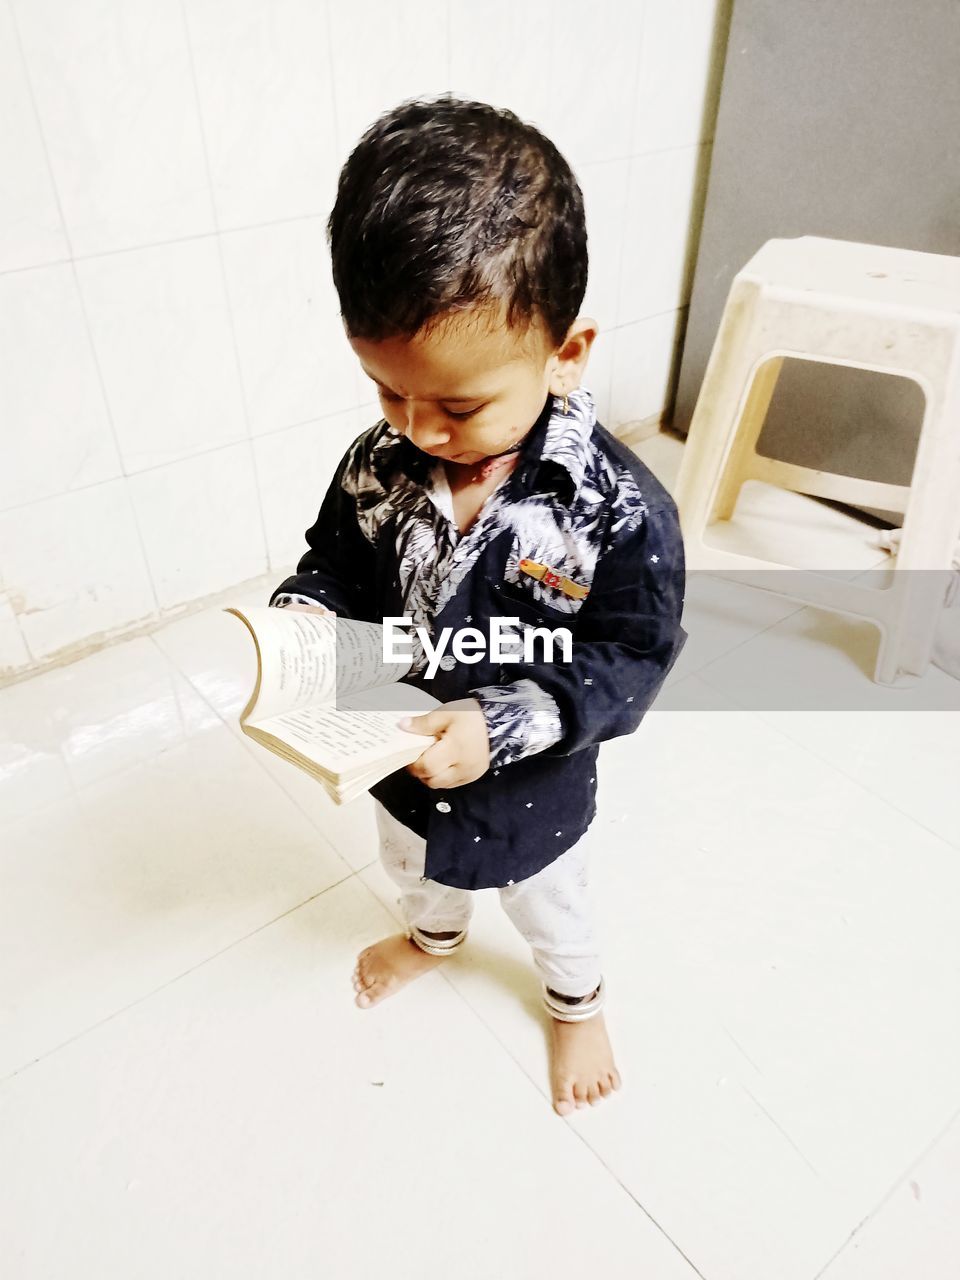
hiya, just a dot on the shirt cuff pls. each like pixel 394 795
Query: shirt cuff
pixel 522 719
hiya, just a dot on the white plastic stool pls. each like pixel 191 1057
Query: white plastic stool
pixel 891 310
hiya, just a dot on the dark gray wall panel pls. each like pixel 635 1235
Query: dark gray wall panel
pixel 835 119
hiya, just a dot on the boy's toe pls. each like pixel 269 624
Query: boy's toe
pixel 369 995
pixel 563 1102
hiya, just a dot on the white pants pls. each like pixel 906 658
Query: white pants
pixel 551 909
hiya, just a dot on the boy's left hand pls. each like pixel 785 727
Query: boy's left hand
pixel 462 750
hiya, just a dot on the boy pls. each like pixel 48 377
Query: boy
pixel 488 490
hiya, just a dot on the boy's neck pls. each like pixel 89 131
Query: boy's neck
pixel 487 471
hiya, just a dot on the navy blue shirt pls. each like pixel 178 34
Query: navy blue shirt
pixel 385 543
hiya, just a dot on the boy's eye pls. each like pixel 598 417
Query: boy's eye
pixel 388 395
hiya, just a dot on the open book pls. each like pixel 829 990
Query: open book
pixel 326 701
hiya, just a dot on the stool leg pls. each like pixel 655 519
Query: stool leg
pixel 931 524
pixel 906 646
pixel 747 432
pixel 715 415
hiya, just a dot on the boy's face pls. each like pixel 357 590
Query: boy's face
pixel 468 389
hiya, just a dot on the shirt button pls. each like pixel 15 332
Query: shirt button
pixel 442 806
pixel 448 662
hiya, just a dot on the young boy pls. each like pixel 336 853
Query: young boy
pixel 488 490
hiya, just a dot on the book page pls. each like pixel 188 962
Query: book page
pixel 345 740
pixel 308 659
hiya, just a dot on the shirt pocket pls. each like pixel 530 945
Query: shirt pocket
pixel 512 600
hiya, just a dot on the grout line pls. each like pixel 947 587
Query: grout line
pixel 224 284
pixel 337 140
pixel 318 215
pixel 163 244
pixel 94 354
pixel 189 457
pixel 545 1096
pixel 28 80
pixel 94 1026
pixel 780 1129
pixel 894 1186
pixel 634 97
pixel 858 782
pixel 249 746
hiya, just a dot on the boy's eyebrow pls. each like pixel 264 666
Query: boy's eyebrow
pixel 446 399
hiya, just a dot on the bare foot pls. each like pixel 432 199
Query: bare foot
pixel 582 1068
pixel 387 966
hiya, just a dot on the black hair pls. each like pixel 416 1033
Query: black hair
pixel 448 204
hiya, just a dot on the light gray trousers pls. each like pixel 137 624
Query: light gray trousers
pixel 552 910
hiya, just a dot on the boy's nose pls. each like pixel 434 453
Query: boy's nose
pixel 426 428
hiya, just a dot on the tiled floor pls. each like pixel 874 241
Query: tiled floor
pixel 188 1090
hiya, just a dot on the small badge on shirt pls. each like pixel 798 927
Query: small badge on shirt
pixel 550 578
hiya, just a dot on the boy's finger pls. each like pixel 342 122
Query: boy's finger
pixel 435 761
pixel 432 723
pixel 311 608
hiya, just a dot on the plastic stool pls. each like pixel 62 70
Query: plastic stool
pixel 870 307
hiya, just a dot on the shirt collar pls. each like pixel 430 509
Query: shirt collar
pixel 555 452
pixel 553 455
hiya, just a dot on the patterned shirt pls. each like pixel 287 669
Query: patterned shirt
pixel 386 543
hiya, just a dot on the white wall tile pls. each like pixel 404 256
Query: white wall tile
pixel 162 331
pixel 118 110
pixel 54 430
pixel 266 100
pixel 568 68
pixel 31 231
pixel 200 522
pixel 664 199
pixel 295 360
pixel 73 567
pixel 599 373
pixel 221 126
pixel 642 365
pixel 383 54
pixel 604 188
pixel 680 61
pixel 294 469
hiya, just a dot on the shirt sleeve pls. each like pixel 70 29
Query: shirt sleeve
pixel 338 569
pixel 626 638
pixel 522 719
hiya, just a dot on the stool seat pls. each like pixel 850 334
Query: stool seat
pixel 891 310
pixel 854 274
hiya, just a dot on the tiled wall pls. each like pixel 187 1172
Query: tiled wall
pixel 175 387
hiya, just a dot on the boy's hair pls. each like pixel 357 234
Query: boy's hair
pixel 447 204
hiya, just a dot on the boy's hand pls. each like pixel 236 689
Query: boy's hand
pixel 462 751
pixel 311 608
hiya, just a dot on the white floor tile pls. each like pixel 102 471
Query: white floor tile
pixel 116 886
pixel 786 1039
pixel 916 1231
pixel 194 1092
pixel 815 660
pixel 215 652
pixel 249 1120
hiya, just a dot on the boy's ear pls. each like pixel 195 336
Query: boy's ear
pixel 571 357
